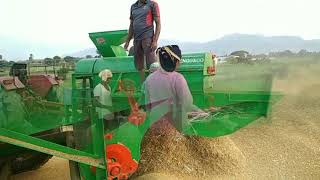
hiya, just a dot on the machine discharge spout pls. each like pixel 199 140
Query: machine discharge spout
pixel 108 42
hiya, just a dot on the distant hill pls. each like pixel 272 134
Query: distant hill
pixel 255 44
pixel 84 52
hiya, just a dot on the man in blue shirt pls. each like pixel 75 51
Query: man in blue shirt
pixel 143 14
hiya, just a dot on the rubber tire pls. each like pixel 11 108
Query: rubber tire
pixel 29 161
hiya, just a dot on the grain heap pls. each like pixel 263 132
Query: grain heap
pixel 165 150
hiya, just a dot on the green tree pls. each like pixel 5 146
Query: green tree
pixel 287 53
pixel 48 61
pixel 2 63
pixel 242 54
pixel 240 57
pixel 69 58
pixel 0 57
pixel 303 52
pixel 88 56
pixel 57 59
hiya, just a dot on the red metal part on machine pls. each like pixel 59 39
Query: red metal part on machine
pixel 211 70
pixel 41 84
pixel 120 163
pixel 10 83
pixel 108 136
pixel 136 116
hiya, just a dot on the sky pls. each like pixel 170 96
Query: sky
pixel 68 22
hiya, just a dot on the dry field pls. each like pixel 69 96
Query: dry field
pixel 284 146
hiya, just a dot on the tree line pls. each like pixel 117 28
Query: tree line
pixel 288 53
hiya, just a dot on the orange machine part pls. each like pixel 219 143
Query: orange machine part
pixel 120 163
pixel 136 116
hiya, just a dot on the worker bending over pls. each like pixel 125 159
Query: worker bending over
pixel 166 91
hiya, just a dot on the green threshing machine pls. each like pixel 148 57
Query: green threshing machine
pixel 97 152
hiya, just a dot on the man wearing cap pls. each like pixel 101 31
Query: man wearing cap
pixel 103 100
pixel 166 91
pixel 142 15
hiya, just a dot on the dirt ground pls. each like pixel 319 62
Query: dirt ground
pixel 284 146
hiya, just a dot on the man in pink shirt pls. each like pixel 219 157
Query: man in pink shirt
pixel 167 92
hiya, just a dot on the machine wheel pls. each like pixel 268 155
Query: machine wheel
pixel 29 161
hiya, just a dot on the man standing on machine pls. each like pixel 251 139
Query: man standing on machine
pixel 142 15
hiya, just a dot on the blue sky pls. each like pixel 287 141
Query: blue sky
pixel 68 22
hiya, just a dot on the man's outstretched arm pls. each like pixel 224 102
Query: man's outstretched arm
pixel 157 34
pixel 130 35
pixel 156 17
